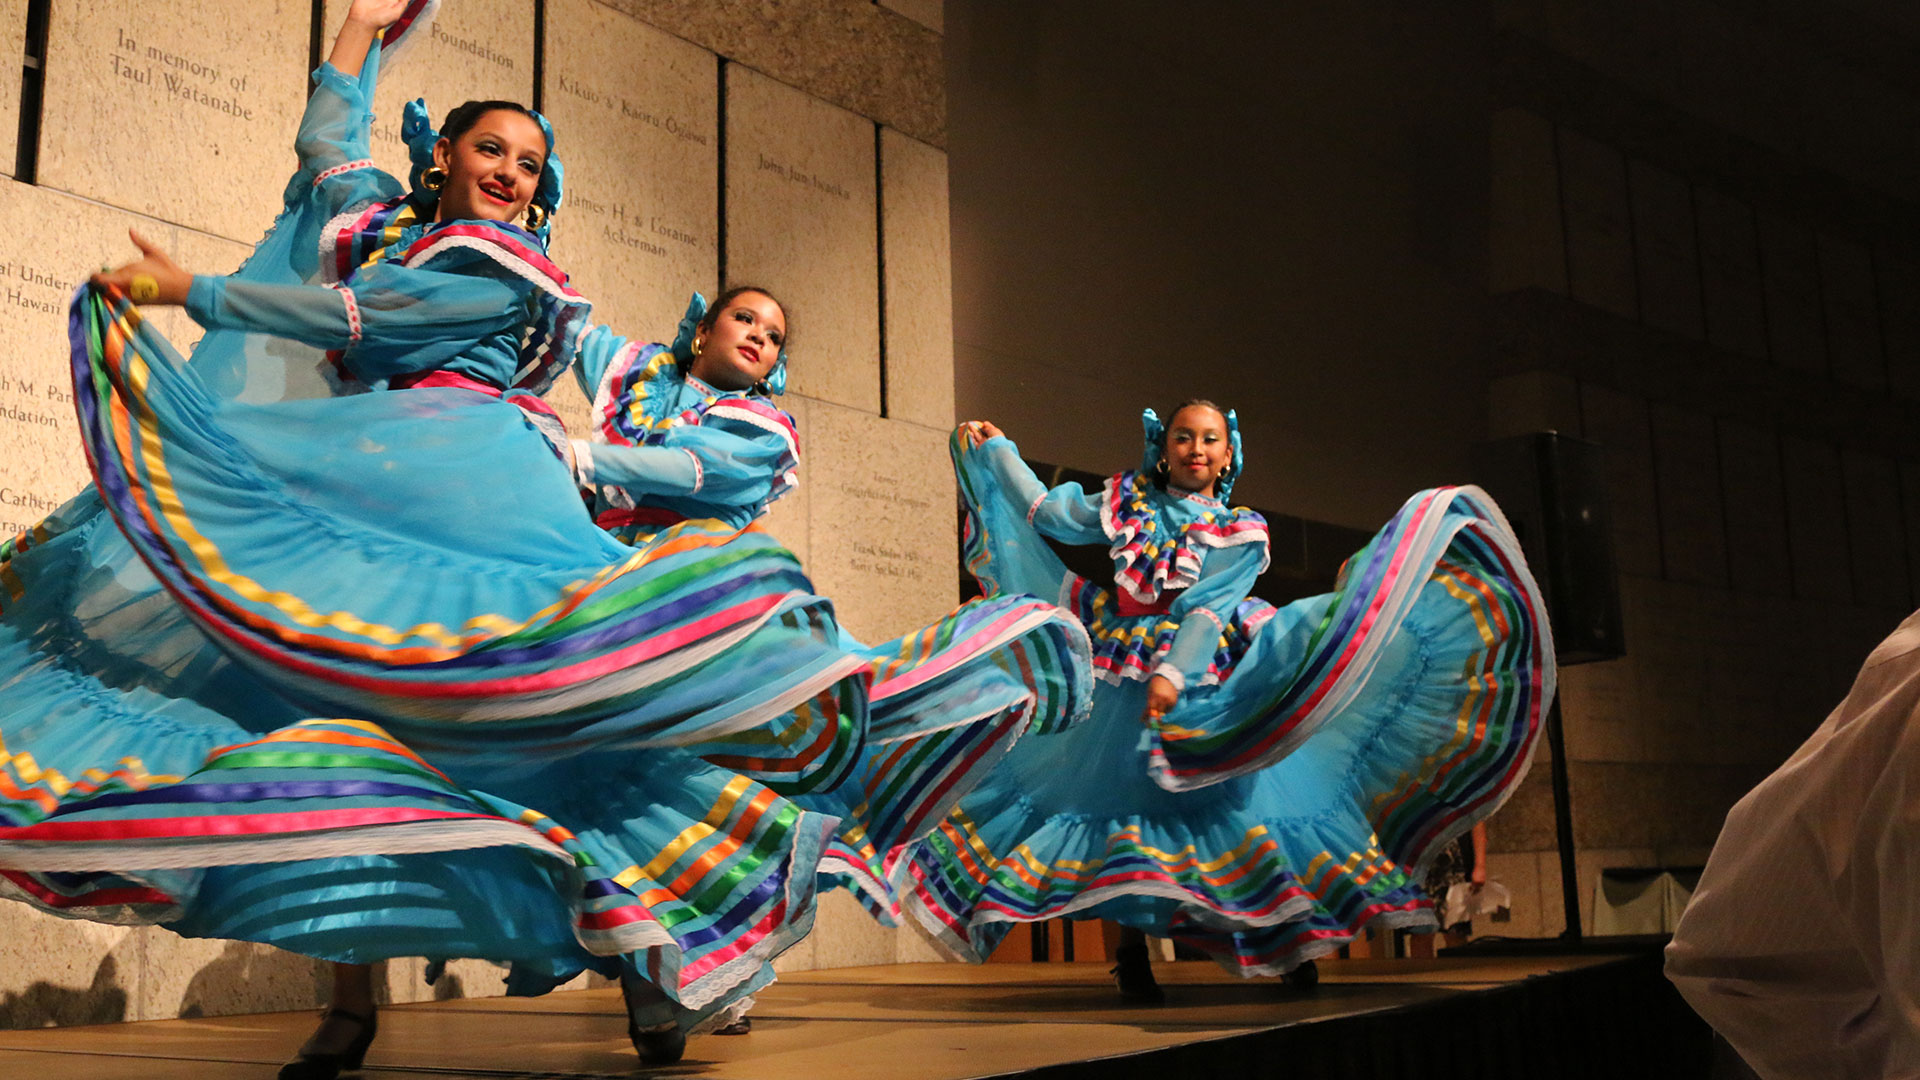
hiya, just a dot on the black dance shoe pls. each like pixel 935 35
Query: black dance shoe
pixel 661 1045
pixel 660 1041
pixel 1134 972
pixel 319 1066
pixel 742 1026
pixel 1303 978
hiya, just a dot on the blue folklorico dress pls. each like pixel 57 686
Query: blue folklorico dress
pixel 947 701
pixel 359 676
pixel 1320 754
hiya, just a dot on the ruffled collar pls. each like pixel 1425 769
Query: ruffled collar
pixel 644 392
pixel 391 231
pixel 1153 555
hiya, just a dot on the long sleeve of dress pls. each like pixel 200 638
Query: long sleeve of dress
pixel 391 320
pixel 1203 609
pixel 334 142
pixel 334 130
pixel 742 453
pixel 600 349
pixel 1066 513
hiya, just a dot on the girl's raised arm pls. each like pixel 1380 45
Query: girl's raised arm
pixel 365 20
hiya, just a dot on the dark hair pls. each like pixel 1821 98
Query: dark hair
pixel 720 304
pixel 463 117
pixel 1192 402
pixel 1159 476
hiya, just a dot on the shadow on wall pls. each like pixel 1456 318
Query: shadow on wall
pixel 44 1004
pixel 231 982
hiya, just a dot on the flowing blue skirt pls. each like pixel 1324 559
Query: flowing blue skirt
pixel 1274 813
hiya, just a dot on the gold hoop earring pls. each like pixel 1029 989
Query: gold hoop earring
pixel 536 217
pixel 434 179
pixel 1160 468
pixel 698 344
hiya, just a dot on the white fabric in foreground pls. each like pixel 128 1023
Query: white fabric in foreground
pixel 1802 943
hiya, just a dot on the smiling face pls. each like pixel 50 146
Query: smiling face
pixel 1197 450
pixel 493 168
pixel 741 343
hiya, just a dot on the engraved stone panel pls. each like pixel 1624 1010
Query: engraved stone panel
pixel 1526 246
pixel 1898 284
pixel 475 50
pixel 918 272
pixel 1730 274
pixel 182 111
pixel 1756 509
pixel 1593 189
pixel 13 42
pixel 56 971
pixel 51 242
pixel 800 220
pixel 1816 519
pixel 1790 274
pixel 1664 250
pixel 928 13
pixel 881 521
pixel 1693 540
pixel 1620 424
pixel 636 117
pixel 1852 313
pixel 1876 534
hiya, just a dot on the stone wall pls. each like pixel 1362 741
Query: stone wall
pixel 796 146
pixel 1686 231
pixel 1703 236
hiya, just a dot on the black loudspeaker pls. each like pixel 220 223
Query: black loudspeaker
pixel 1553 489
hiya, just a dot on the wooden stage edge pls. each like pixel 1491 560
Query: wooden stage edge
pixel 918 1021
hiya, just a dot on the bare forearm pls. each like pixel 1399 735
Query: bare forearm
pixel 365 19
pixel 350 48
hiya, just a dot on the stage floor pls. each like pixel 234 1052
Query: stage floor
pixel 918 1021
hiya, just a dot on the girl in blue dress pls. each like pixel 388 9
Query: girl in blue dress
pixel 1257 783
pixel 346 667
pixel 691 429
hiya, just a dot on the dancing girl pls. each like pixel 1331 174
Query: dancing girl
pixel 1260 784
pixel 357 674
pixel 691 429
